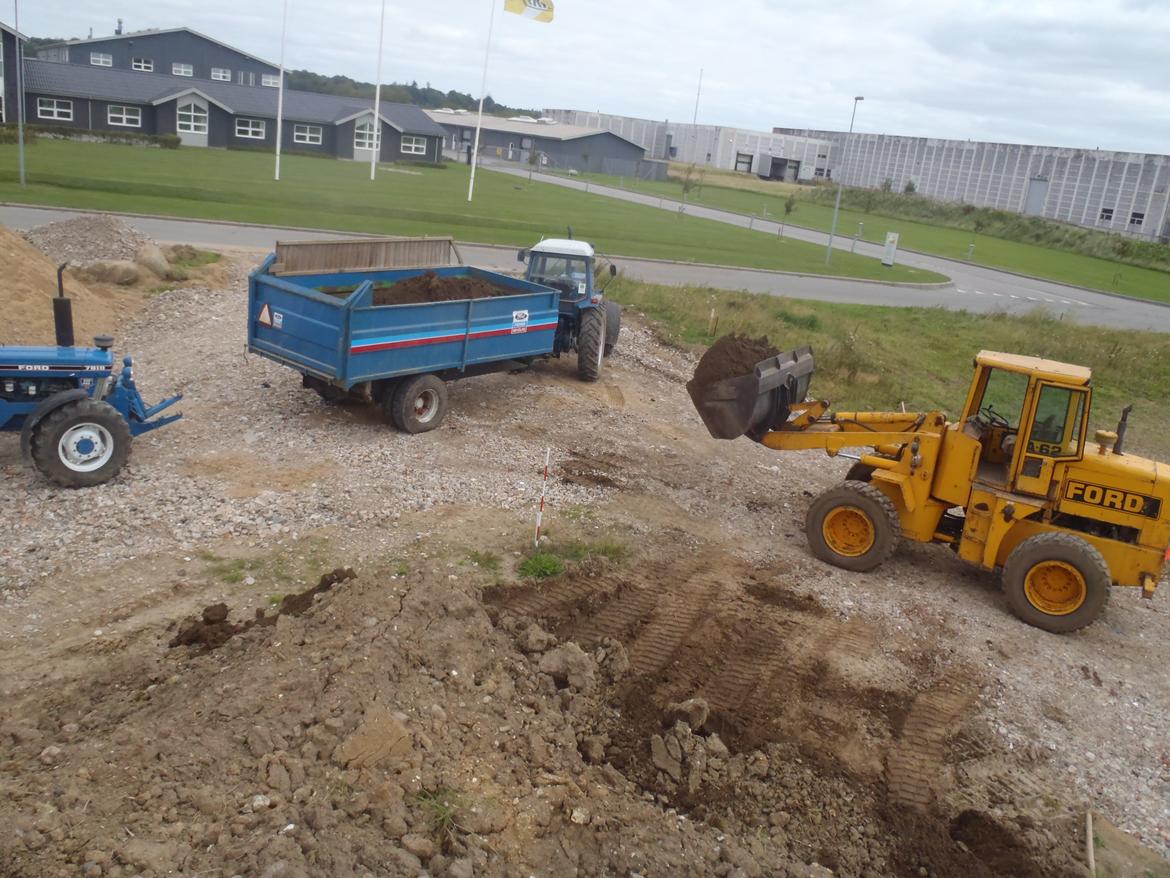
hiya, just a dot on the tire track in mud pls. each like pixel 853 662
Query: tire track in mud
pixel 915 764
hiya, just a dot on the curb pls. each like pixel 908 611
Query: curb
pixel 506 247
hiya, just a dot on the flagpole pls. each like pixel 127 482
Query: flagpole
pixel 378 96
pixel 482 92
pixel 280 91
pixel 19 91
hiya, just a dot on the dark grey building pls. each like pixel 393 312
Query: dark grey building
pixel 545 143
pixel 176 51
pixel 223 114
pixel 8 56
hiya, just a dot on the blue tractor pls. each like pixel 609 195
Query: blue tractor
pixel 75 417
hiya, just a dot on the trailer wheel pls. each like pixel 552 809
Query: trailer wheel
pixel 418 403
pixel 81 444
pixel 613 326
pixel 854 526
pixel 1057 582
pixel 591 344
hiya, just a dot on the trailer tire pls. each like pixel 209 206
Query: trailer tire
pixel 591 344
pixel 613 326
pixel 1057 582
pixel 418 403
pixel 81 444
pixel 854 526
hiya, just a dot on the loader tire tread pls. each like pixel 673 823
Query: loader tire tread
pixel 878 508
pixel 1066 548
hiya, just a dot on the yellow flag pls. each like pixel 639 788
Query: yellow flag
pixel 537 10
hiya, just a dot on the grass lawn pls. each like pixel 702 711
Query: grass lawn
pixel 1086 271
pixel 872 358
pixel 328 194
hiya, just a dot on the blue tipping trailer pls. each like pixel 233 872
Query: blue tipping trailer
pixel 399 356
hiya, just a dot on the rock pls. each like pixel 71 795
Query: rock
pixel 570 667
pixel 51 755
pixel 535 639
pixel 159 857
pixel 278 777
pixel 213 615
pixel 258 740
pixel 381 739
pixel 615 663
pixel 693 712
pixel 419 845
pixel 717 748
pixel 113 271
pixel 592 748
pixel 151 257
pixel 259 802
pixel 580 816
pixel 461 868
pixel 284 869
pixel 662 759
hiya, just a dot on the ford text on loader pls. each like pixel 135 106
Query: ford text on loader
pixel 1014 484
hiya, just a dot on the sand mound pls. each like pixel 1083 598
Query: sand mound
pixel 30 281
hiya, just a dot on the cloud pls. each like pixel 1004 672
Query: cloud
pixel 1064 72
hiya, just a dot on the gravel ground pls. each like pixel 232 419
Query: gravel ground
pixel 258 459
pixel 86 239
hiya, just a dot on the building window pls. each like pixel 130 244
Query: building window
pixel 365 136
pixel 126 117
pixel 221 73
pixel 743 162
pixel 250 128
pixel 146 65
pixel 270 79
pixel 819 172
pixel 247 77
pixel 1106 214
pixel 182 69
pixel 101 59
pixel 192 118
pixel 310 134
pixel 418 145
pixel 53 108
pixel 1136 219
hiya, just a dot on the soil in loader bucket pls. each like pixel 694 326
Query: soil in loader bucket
pixel 745 386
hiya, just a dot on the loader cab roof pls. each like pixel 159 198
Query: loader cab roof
pixel 564 247
pixel 1047 370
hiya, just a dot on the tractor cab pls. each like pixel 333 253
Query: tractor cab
pixel 564 265
pixel 1028 415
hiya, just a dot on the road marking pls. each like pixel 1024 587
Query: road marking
pixel 1013 295
pixel 998 295
pixel 961 291
pixel 1069 302
pixel 1031 298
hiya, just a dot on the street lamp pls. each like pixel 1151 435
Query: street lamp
pixel 837 206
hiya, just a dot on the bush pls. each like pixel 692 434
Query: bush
pixel 9 134
pixel 64 132
pixel 542 565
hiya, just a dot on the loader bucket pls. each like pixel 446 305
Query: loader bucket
pixel 757 402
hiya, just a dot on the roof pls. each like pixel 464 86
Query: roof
pixel 12 31
pixel 563 247
pixel 153 32
pixel 546 130
pixel 1049 370
pixel 129 86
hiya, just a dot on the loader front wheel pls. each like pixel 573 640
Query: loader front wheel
pixel 81 444
pixel 1057 582
pixel 854 526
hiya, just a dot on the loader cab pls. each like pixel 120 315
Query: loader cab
pixel 1028 415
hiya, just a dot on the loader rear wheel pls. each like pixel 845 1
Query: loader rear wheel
pixel 854 526
pixel 1057 582
pixel 418 404
pixel 81 444
pixel 591 344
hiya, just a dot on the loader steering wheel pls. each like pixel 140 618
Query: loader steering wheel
pixel 991 418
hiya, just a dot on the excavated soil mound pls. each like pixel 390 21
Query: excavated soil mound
pixel 430 287
pixel 30 281
pixel 731 356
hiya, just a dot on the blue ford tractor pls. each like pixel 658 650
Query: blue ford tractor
pixel 76 418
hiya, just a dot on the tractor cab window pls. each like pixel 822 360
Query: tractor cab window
pixel 565 273
pixel 1056 428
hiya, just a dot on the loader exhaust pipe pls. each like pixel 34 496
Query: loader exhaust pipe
pixel 63 311
pixel 1122 426
pixel 752 404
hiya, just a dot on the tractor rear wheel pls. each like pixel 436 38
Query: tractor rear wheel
pixel 81 444
pixel 418 403
pixel 613 326
pixel 1056 581
pixel 854 526
pixel 590 344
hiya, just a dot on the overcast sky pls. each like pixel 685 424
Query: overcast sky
pixel 1082 73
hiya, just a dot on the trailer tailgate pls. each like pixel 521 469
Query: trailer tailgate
pixel 297 325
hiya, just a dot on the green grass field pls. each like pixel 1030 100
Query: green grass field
pixel 327 194
pixel 1073 268
pixel 872 358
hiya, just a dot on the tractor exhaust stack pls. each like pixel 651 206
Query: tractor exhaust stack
pixel 63 311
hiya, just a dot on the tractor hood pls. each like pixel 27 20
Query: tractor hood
pixel 1135 486
pixel 54 359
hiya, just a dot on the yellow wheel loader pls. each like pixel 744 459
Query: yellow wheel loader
pixel 1013 484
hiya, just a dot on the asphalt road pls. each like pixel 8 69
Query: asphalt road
pixel 973 289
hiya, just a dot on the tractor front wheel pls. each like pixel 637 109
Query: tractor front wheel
pixel 1057 582
pixel 81 444
pixel 591 344
pixel 854 526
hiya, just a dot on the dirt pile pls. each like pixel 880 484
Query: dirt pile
pixel 87 238
pixel 731 356
pixel 30 281
pixel 430 287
